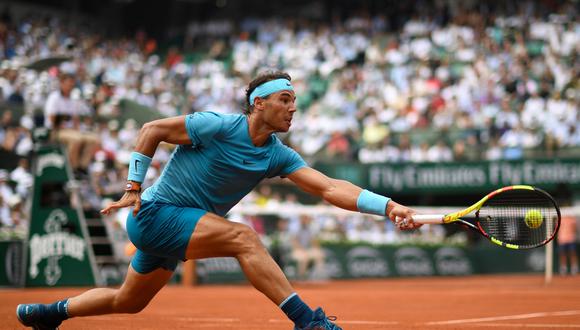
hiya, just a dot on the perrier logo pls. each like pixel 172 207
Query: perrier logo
pixel 52 246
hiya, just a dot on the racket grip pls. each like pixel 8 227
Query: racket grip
pixel 428 218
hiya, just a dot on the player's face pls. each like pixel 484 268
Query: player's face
pixel 279 109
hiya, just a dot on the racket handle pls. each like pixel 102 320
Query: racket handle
pixel 429 218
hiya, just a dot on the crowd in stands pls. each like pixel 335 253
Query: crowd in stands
pixel 449 85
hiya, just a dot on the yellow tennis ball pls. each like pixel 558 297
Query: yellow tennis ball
pixel 534 218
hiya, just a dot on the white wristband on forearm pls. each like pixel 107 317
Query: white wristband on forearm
pixel 369 202
pixel 138 166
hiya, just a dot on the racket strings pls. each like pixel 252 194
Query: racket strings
pixel 504 217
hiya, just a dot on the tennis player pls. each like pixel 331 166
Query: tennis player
pixel 218 160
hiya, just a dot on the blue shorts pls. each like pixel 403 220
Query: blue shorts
pixel 567 247
pixel 161 233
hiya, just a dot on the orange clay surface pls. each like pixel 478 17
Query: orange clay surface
pixel 477 302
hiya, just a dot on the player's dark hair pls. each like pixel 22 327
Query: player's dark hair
pixel 260 79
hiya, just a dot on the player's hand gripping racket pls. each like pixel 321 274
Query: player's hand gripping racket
pixel 516 217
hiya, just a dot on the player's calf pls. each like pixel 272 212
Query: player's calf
pixel 129 306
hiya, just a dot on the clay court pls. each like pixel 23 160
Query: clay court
pixel 500 302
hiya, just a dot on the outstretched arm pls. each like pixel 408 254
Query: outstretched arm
pixel 171 130
pixel 345 195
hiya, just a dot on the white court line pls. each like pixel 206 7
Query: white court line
pixel 527 325
pixel 348 322
pixel 507 317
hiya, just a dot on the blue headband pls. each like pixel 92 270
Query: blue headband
pixel 271 87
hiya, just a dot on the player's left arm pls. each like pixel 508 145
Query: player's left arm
pixel 348 196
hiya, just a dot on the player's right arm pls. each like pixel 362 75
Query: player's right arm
pixel 171 130
pixel 196 129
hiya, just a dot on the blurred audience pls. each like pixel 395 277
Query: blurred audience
pixel 437 83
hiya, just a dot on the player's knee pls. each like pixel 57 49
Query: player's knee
pixel 247 239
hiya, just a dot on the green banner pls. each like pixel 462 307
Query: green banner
pixel 219 270
pixel 359 260
pixel 412 178
pixel 489 259
pixel 11 266
pixel 58 252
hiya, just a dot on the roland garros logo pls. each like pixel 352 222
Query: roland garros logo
pixel 52 246
pixel 49 160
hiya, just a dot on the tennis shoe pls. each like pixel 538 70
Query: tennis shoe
pixel 320 322
pixel 33 315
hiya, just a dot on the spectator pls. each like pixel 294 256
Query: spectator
pixel 404 148
pixel 459 152
pixel 338 147
pixel 379 152
pixel 419 153
pixel 5 216
pixel 8 131
pixel 5 190
pixel 494 152
pixel 62 115
pixel 6 196
pixel 567 245
pixel 440 152
pixel 281 247
pixel 372 153
pixel 23 178
pixel 306 249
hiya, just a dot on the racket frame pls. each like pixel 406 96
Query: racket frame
pixel 456 217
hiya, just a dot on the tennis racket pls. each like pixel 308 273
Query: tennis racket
pixel 515 217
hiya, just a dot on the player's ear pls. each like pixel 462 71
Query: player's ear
pixel 259 103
